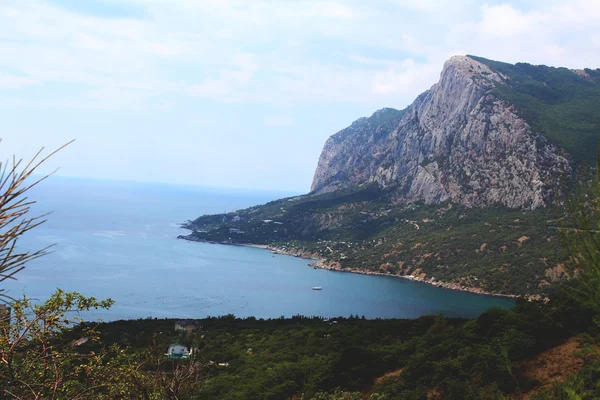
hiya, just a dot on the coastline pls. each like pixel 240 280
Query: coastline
pixel 321 263
pixel 325 264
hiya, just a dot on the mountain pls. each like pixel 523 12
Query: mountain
pixel 454 190
pixel 465 142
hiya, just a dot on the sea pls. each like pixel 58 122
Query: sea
pixel 118 240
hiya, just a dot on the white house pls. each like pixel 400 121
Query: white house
pixel 178 351
pixel 188 325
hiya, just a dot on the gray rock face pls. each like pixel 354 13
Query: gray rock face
pixel 457 142
pixel 348 155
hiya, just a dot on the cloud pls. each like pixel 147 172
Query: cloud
pixel 554 51
pixel 200 122
pixel 402 77
pixel 167 105
pixel 15 82
pixel 279 121
pixel 333 10
pixel 505 21
pixel 13 101
pixel 557 33
pixel 424 5
pixel 288 52
pixel 104 75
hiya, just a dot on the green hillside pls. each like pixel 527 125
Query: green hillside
pixel 493 250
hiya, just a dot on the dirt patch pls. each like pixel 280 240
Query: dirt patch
pixel 393 374
pixel 550 366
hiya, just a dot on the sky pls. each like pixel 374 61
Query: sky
pixel 244 93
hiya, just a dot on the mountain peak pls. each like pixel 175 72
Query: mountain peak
pixel 471 68
pixel 459 142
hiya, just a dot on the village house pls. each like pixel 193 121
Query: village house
pixel 187 325
pixel 178 351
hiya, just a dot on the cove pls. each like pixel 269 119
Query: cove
pixel 118 240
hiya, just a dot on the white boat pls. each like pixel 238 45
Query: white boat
pixel 317 288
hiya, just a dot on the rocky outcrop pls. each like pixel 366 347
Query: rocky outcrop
pixel 457 142
pixel 346 156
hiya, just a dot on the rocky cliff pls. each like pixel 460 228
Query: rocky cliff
pixel 457 142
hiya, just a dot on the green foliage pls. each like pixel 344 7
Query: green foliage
pixel 313 358
pixel 341 395
pixel 583 240
pixel 581 386
pixel 382 122
pixel 46 351
pixel 38 361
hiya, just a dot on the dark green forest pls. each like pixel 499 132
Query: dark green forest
pixel 312 358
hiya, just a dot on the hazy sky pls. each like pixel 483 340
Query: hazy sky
pixel 244 93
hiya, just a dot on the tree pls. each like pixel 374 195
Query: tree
pixel 581 236
pixel 39 360
pixel 46 350
pixel 15 220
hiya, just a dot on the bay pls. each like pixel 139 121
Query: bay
pixel 118 239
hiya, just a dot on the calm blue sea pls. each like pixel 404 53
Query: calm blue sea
pixel 118 239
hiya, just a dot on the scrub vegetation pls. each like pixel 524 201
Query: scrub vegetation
pixel 495 250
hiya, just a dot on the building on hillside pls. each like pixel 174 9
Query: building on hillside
pixel 178 351
pixel 235 230
pixel 187 325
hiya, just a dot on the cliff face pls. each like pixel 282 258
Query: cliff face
pixel 456 142
pixel 349 155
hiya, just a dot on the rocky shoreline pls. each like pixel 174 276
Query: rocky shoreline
pixel 334 266
pixel 321 263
